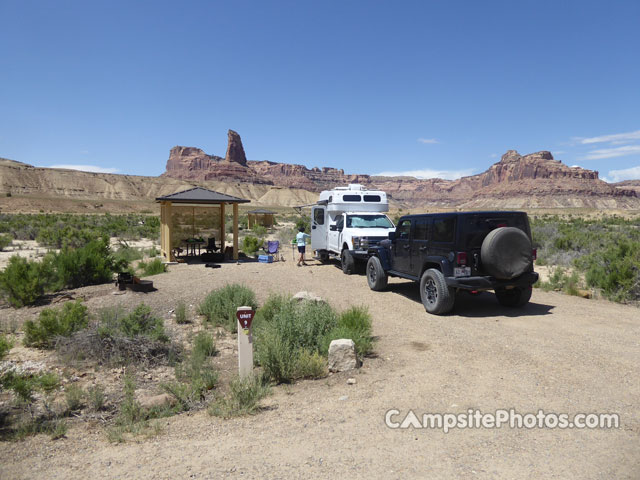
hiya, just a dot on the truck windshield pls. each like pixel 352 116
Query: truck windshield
pixel 368 221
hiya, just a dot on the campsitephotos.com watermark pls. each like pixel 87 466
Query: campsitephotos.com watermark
pixel 474 418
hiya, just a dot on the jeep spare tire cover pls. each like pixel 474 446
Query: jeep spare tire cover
pixel 506 253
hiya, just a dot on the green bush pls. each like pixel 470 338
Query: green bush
pixel 55 322
pixel 287 339
pixel 259 230
pixel 204 345
pixel 304 222
pixel 90 265
pixel 153 267
pixel 251 244
pixel 219 307
pixel 5 345
pixel 243 398
pixel 24 385
pixel 142 322
pixel 615 271
pixel 292 339
pixel 354 323
pixel 74 396
pixel 5 241
pixel 181 313
pixel 23 281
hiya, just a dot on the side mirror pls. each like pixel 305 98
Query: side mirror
pixel 392 236
pixel 333 228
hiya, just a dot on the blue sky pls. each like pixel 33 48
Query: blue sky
pixel 432 87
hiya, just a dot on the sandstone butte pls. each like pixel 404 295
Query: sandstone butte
pixel 516 181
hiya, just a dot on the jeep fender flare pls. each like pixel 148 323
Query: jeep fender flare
pixel 442 264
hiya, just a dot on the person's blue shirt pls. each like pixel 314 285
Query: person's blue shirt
pixel 301 238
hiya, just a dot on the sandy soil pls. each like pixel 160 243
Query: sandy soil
pixel 561 354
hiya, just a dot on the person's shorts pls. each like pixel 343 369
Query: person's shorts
pixel 301 248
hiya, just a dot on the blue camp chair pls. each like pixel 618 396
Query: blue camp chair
pixel 273 248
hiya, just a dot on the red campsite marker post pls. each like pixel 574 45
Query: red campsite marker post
pixel 245 340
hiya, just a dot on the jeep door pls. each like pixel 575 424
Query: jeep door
pixel 419 244
pixel 442 237
pixel 402 247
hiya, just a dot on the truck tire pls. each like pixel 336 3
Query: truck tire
pixel 347 262
pixel 435 294
pixel 376 276
pixel 514 297
pixel 506 253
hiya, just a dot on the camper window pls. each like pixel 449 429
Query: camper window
pixel 368 221
pixel 352 198
pixel 372 198
pixel 318 216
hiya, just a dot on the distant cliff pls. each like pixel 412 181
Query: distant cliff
pixel 516 181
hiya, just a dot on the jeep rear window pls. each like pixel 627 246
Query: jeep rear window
pixel 478 227
pixel 443 229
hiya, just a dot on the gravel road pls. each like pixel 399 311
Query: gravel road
pixel 560 354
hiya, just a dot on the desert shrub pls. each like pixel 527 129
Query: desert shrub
pixel 153 267
pixel 259 230
pixel 204 344
pixel 286 340
pixel 96 397
pixel 615 270
pixel 181 313
pixel 243 398
pixel 74 396
pixel 304 222
pixel 354 323
pixel 119 338
pixel 22 282
pixel 219 307
pixel 286 235
pixel 5 241
pixel 5 345
pixel 24 385
pixel 53 323
pixel 251 244
pixel 89 265
pixel 126 254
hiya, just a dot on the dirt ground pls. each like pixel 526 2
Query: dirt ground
pixel 561 354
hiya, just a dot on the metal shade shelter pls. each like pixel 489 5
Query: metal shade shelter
pixel 199 198
pixel 261 217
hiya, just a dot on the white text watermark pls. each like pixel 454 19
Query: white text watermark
pixel 507 418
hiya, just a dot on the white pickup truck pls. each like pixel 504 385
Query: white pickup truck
pixel 348 220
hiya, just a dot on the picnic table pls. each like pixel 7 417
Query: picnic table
pixel 191 244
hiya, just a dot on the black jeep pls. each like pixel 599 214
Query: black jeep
pixel 448 252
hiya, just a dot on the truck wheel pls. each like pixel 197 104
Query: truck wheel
pixel 514 297
pixel 376 276
pixel 347 262
pixel 436 295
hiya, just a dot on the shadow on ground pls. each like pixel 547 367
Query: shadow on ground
pixel 483 304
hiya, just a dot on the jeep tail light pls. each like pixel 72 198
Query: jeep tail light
pixel 461 258
pixel 534 253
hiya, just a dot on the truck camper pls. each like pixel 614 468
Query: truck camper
pixel 346 222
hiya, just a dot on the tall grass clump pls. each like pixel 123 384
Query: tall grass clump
pixel 152 267
pixel 219 307
pixel 181 313
pixel 243 398
pixel 53 323
pixel 5 345
pixel 292 338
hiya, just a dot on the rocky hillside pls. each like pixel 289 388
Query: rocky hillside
pixel 516 181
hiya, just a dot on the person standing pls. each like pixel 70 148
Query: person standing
pixel 301 240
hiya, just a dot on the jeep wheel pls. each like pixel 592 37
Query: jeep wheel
pixel 514 297
pixel 347 262
pixel 376 276
pixel 436 296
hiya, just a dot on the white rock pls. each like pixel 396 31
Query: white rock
pixel 351 381
pixel 307 296
pixel 342 355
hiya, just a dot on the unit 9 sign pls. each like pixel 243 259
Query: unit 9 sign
pixel 245 317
